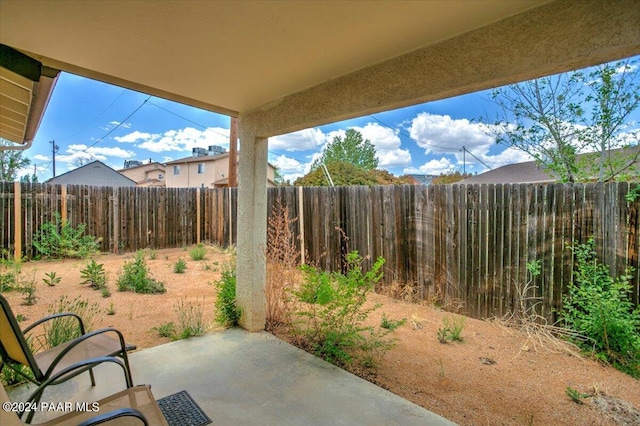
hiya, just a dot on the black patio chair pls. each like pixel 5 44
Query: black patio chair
pixel 15 350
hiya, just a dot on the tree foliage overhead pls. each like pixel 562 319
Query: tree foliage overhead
pixel 11 161
pixel 556 118
pixel 351 149
pixel 345 174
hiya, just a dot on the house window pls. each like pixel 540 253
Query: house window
pixel 200 168
pixel 176 170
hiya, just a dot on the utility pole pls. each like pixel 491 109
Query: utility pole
pixel 54 149
pixel 464 160
pixel 233 153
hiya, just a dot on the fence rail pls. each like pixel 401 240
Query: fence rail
pixel 466 243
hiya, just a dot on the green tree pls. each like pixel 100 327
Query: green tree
pixel 11 161
pixel 353 149
pixel 345 174
pixel 556 118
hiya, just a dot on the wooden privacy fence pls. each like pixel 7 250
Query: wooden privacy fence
pixel 461 243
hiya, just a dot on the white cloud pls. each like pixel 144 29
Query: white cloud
pixel 432 167
pixel 289 168
pixel 178 140
pixel 387 143
pixel 39 157
pixel 508 156
pixel 135 136
pixel 302 140
pixel 441 133
pixel 394 158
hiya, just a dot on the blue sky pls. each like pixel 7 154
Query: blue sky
pixel 91 120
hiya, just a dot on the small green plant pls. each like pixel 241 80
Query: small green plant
pixel 227 312
pixel 105 292
pixel 333 314
pixel 51 279
pixel 111 310
pixel 599 308
pixel 388 324
pixel 180 266
pixel 60 330
pixel 451 330
pixel 135 276
pixel 190 320
pixel 199 252
pixel 576 396
pixel 167 329
pixel 57 239
pixel 94 275
pixel 153 254
pixel 28 289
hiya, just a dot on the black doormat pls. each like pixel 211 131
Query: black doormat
pixel 181 410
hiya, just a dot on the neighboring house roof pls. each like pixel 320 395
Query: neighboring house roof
pixel 531 172
pixel 145 174
pixel 204 159
pixel 201 159
pixel 527 172
pixel 95 173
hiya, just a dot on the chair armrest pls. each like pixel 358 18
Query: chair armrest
pixel 54 316
pixel 115 414
pixel 78 340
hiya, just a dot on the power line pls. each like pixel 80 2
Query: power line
pixel 120 123
pixel 190 121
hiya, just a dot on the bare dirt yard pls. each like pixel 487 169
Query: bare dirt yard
pixel 496 376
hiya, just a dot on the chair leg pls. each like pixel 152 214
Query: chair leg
pixel 128 378
pixel 93 379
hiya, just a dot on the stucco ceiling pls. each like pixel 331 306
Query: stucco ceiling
pixel 233 56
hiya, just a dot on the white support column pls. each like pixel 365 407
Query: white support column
pixel 252 228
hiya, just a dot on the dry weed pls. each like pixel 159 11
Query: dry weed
pixel 538 332
pixel 283 259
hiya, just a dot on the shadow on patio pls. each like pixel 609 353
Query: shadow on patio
pixel 242 378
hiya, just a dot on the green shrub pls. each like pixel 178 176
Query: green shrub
pixel 9 273
pixel 28 288
pixel 94 275
pixel 199 252
pixel 598 307
pixel 58 239
pixel 227 312
pixel 135 276
pixel 180 266
pixel 333 314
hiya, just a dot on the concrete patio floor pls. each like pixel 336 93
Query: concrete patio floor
pixel 242 378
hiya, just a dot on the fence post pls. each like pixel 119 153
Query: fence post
pixel 301 224
pixel 17 223
pixel 63 203
pixel 198 215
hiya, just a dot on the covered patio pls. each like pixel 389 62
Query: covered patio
pixel 284 66
pixel 243 378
